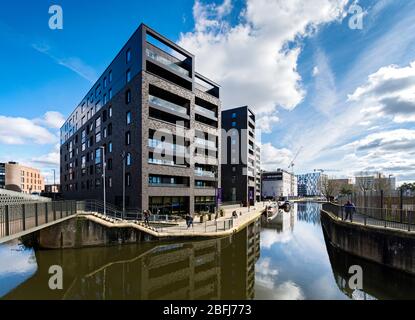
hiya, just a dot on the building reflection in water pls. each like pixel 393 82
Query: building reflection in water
pixel 308 213
pixel 283 221
pixel 378 282
pixel 208 269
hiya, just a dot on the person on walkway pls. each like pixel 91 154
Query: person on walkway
pixel 234 214
pixel 146 217
pixel 350 209
pixel 187 218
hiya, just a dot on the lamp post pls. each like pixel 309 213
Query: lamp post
pixel 104 178
pixel 123 155
pixel 54 183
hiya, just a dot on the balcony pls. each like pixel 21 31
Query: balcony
pixel 169 107
pixel 168 147
pixel 164 162
pixel 206 113
pixel 206 174
pixel 168 185
pixel 206 144
pixel 162 60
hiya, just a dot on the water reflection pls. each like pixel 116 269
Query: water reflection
pixel 291 259
pixel 210 269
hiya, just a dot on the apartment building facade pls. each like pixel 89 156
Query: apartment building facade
pixel 156 121
pixel 20 178
pixel 240 163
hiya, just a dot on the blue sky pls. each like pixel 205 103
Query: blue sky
pixel 345 96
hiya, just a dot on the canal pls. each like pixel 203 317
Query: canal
pixel 285 258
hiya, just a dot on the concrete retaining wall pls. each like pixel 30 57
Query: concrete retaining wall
pixel 392 248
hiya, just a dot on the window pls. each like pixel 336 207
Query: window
pixel 110 76
pixel 98 91
pixel 233 179
pixel 109 164
pixel 128 117
pixel 128 75
pixel 110 182
pixel 128 97
pixel 128 159
pixel 128 55
pixel 109 129
pixel 234 115
pixel 110 112
pixel 128 179
pixel 128 138
pixel 110 147
pixel 98 156
pixel 105 133
pixel 233 124
pixel 98 137
pixel 105 100
pixel 110 94
pixel 105 82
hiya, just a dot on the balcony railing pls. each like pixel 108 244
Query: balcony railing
pixel 168 185
pixel 206 112
pixel 205 143
pixel 164 61
pixel 170 106
pixel 162 162
pixel 178 149
pixel 202 173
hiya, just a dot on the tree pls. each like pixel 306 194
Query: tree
pixel 330 189
pixel 346 189
pixel 408 187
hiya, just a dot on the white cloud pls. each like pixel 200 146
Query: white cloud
pixel 51 119
pixel 74 64
pixel 17 130
pixel 266 122
pixel 51 159
pixel 390 92
pixel 251 59
pixel 273 158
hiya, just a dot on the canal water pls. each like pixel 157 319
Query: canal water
pixel 287 257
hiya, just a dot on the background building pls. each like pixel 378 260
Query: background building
pixel 311 184
pixel 375 182
pixel 258 173
pixel 240 162
pixel 2 175
pixel 280 183
pixel 150 86
pixel 19 178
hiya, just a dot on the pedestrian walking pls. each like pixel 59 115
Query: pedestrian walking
pixel 350 209
pixel 146 217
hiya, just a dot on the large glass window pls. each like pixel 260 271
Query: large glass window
pixel 169 205
pixel 98 156
pixel 128 75
pixel 128 159
pixel 128 117
pixel 128 55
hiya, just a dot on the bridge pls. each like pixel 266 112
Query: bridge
pixel 385 236
pixel 61 218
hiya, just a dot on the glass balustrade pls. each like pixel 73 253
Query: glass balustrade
pixel 167 105
pixel 170 64
pixel 205 112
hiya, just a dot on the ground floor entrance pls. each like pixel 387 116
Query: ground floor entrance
pixel 169 205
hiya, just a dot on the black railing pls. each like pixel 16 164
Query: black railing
pixel 18 218
pixel 384 217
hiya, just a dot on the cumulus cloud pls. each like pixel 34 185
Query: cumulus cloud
pixel 255 60
pixel 266 123
pixel 52 119
pixel 274 158
pixel 51 159
pixel 390 92
pixel 18 130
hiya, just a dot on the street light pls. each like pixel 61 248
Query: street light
pixel 54 183
pixel 103 168
pixel 123 156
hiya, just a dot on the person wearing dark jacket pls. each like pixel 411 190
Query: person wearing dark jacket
pixel 350 209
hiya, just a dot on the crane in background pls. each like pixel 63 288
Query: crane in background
pixel 291 166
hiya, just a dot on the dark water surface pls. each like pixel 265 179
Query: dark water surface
pixel 286 258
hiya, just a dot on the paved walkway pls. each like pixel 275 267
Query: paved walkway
pixel 365 220
pixel 214 228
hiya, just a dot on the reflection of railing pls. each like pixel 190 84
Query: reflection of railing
pixel 385 217
pixel 167 105
pixel 207 143
pixel 205 112
pixel 157 144
pixel 159 58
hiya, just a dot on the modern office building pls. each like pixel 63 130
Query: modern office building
pixel 2 175
pixel 311 184
pixel 280 183
pixel 239 156
pixel 19 178
pixel 158 122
